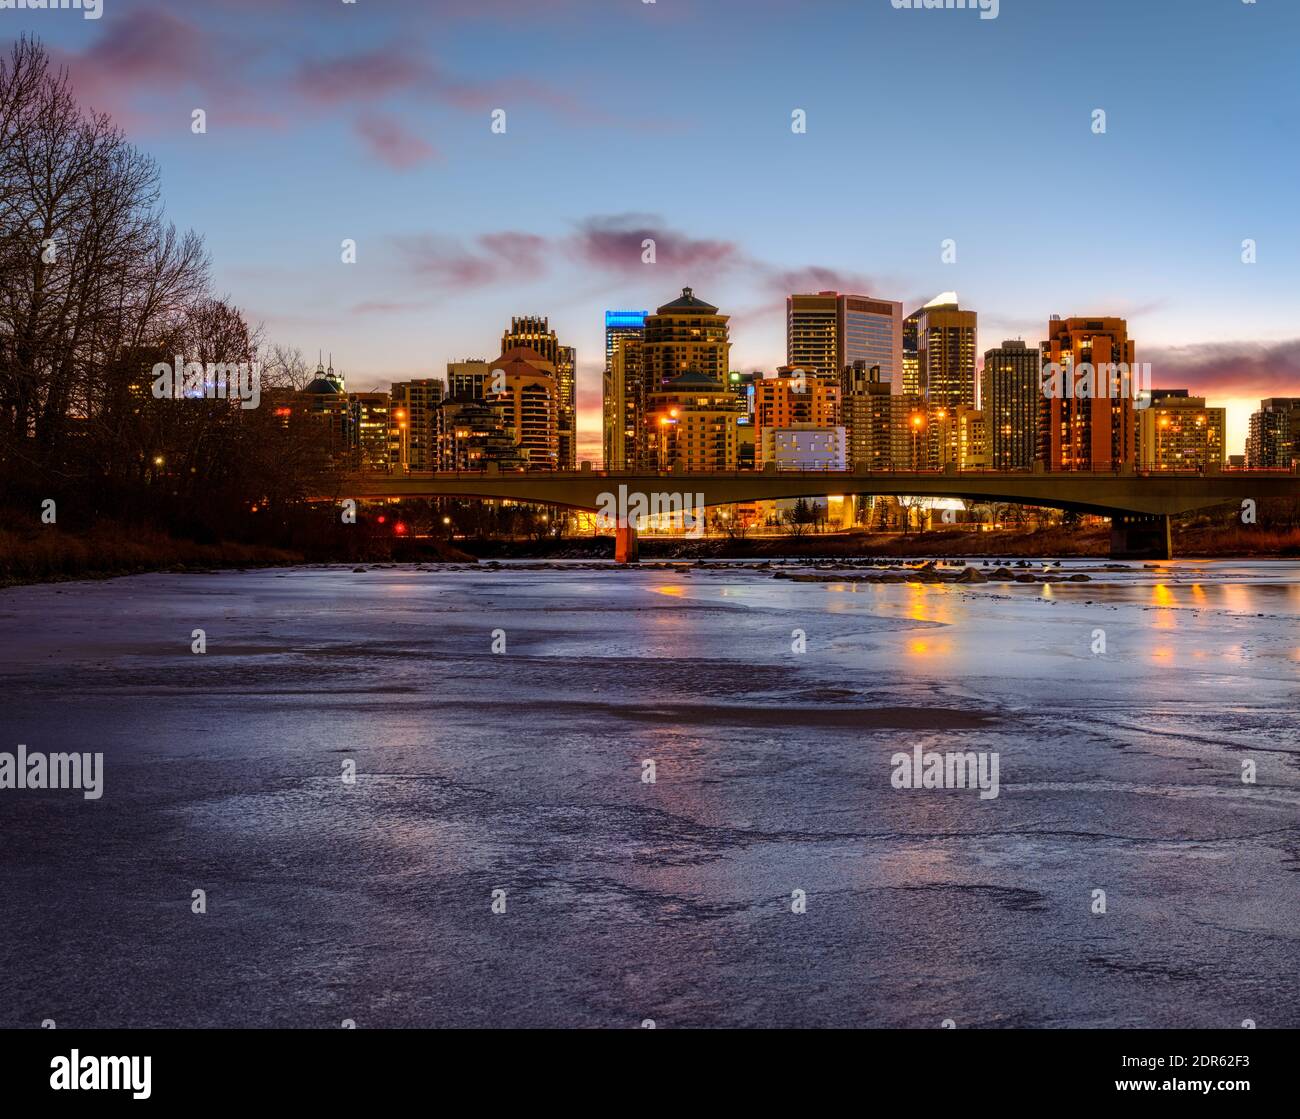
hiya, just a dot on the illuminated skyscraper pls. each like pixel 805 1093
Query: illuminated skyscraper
pixel 945 349
pixel 686 335
pixel 622 394
pixel 415 423
pixel 1086 426
pixel 370 431
pixel 827 332
pixel 1011 394
pixel 528 400
pixel 536 334
pixel 911 356
pixel 866 413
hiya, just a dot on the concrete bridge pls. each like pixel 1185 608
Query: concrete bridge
pixel 1139 505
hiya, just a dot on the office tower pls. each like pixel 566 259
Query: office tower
pixel 370 432
pixel 621 395
pixel 866 414
pixel 1274 439
pixel 1010 397
pixel 622 324
pixel 528 399
pixel 415 423
pixel 684 336
pixel 1088 424
pixel 533 333
pixel 692 421
pixel 1179 432
pixel 945 352
pixel 827 332
pixel 912 385
pixel 468 379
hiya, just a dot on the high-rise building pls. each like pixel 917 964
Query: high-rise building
pixel 693 420
pixel 865 412
pixel 529 403
pixel 1274 438
pixel 1088 425
pixel 415 423
pixel 468 379
pixel 1010 397
pixel 533 333
pixel 622 386
pixel 912 385
pixel 1178 432
pixel 370 430
pixel 684 336
pixel 945 348
pixel 827 332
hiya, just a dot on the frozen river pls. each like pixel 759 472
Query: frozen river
pixel 770 875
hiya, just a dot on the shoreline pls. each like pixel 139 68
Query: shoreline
pixel 110 553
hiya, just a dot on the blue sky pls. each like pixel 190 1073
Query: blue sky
pixel 371 121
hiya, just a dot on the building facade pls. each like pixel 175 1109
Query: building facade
pixel 528 399
pixel 1010 398
pixel 829 331
pixel 1082 427
pixel 1179 432
pixel 684 336
pixel 945 342
pixel 693 422
pixel 621 390
pixel 534 333
pixel 415 422
pixel 1273 441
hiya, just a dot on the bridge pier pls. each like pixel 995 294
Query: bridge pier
pixel 1141 536
pixel 626 549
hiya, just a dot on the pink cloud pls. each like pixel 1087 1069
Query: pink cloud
pixel 391 143
pixel 616 243
pixel 1229 369
pixel 493 258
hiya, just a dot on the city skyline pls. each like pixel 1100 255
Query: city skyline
pixel 344 120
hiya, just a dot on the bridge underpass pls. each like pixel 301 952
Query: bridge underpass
pixel 1140 506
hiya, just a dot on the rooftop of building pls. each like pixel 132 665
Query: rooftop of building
pixel 688 302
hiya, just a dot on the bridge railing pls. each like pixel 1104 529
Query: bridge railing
pixel 815 469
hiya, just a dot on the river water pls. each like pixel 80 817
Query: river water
pixel 770 875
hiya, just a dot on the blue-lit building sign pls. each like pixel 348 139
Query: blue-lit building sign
pixel 625 319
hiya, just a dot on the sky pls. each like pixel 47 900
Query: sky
pixel 372 121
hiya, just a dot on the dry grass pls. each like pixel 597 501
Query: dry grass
pixel 47 555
